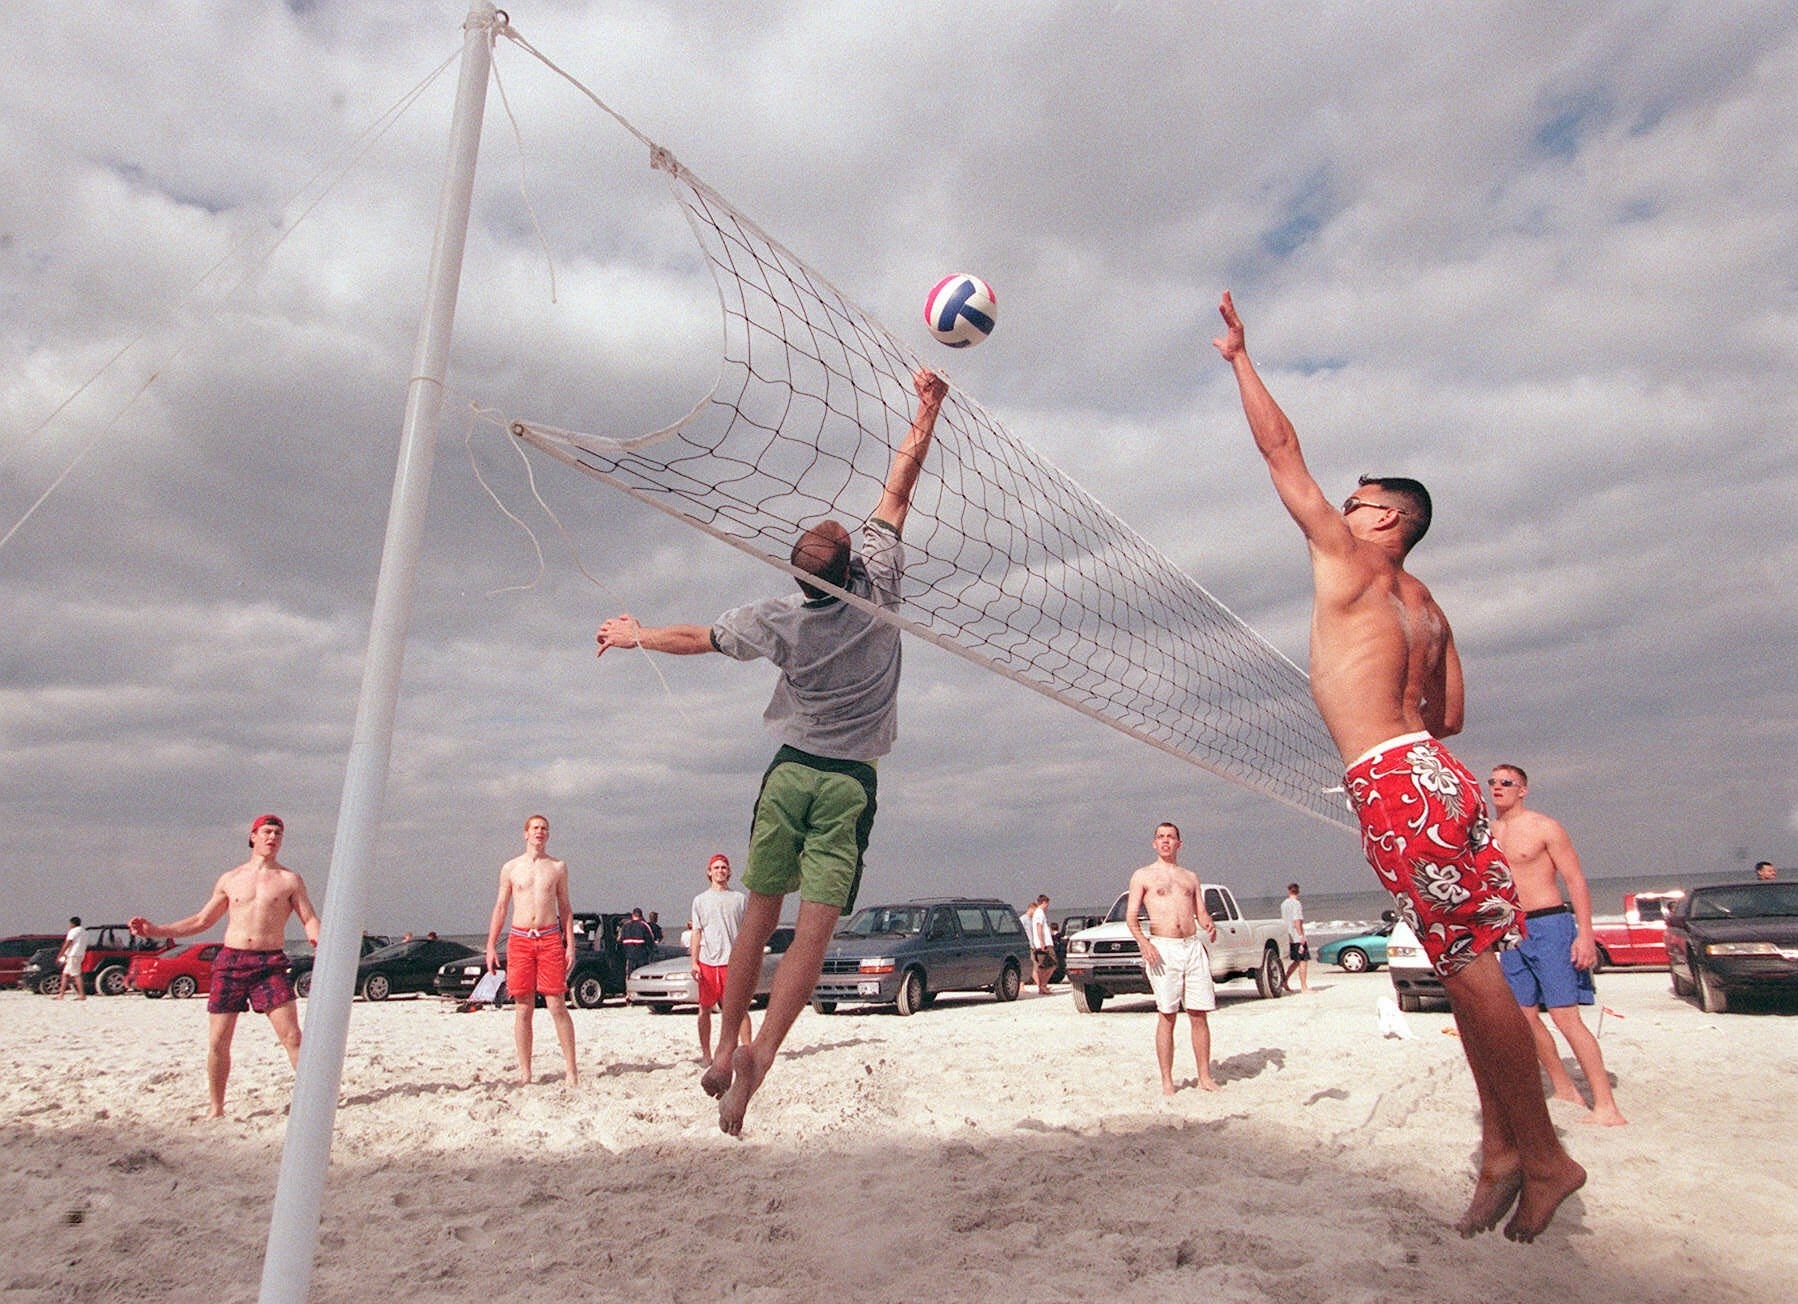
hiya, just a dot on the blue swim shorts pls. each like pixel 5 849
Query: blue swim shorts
pixel 1540 968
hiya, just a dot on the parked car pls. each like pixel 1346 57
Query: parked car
pixel 1414 980
pixel 181 973
pixel 16 951
pixel 1639 936
pixel 903 955
pixel 405 967
pixel 1105 961
pixel 1361 953
pixel 1734 938
pixel 104 969
pixel 666 984
pixel 300 962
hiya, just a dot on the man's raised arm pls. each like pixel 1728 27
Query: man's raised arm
pixel 1279 442
pixel 902 477
pixel 679 640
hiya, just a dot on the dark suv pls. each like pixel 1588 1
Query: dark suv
pixel 903 955
pixel 110 950
pixel 17 950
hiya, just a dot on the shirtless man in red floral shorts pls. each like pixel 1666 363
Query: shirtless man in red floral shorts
pixel 1387 681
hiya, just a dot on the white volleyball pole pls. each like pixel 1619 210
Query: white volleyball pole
pixel 306 1154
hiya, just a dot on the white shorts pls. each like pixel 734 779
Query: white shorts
pixel 1182 981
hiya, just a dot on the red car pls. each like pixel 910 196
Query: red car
pixel 1640 936
pixel 187 972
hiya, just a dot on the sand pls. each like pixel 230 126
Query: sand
pixel 971 1151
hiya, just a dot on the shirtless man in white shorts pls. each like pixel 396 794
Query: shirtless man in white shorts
pixel 1176 961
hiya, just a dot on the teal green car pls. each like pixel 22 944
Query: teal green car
pixel 1356 954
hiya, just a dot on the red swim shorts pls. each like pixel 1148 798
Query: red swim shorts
pixel 711 983
pixel 1423 827
pixel 248 980
pixel 536 962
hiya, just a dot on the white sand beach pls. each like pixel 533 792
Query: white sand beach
pixel 972 1151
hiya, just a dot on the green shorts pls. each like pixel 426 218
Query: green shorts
pixel 811 827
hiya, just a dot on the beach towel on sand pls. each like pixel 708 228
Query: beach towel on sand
pixel 488 989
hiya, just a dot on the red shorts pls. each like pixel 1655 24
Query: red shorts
pixel 1423 827
pixel 711 983
pixel 536 965
pixel 253 980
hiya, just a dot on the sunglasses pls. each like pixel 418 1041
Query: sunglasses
pixel 1502 783
pixel 1352 505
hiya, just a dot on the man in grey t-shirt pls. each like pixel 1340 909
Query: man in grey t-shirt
pixel 835 712
pixel 715 919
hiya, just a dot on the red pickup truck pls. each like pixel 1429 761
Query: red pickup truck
pixel 1640 936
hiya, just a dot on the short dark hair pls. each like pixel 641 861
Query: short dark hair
pixel 1522 777
pixel 1293 888
pixel 1416 503
pixel 75 921
pixel 823 551
pixel 1169 824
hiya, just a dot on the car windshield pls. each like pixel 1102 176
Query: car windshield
pixel 1746 901
pixel 884 921
pixel 1121 906
pixel 394 952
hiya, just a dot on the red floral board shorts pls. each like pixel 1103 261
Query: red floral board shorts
pixel 248 980
pixel 1424 829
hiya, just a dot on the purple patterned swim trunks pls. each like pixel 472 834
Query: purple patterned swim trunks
pixel 249 980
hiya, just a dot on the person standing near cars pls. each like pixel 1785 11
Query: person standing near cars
pixel 250 970
pixel 1042 942
pixel 1552 968
pixel 1176 961
pixel 70 955
pixel 638 940
pixel 1298 950
pixel 540 945
pixel 712 928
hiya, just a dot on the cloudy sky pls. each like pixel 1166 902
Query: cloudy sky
pixel 1540 256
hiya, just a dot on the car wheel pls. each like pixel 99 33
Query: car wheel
pixel 1681 986
pixel 825 1007
pixel 589 992
pixel 181 986
pixel 47 985
pixel 1011 982
pixel 1353 960
pixel 1599 962
pixel 911 992
pixel 1712 999
pixel 302 986
pixel 110 981
pixel 1089 999
pixel 375 987
pixel 1270 978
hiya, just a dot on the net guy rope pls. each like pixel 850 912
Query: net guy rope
pixel 1011 564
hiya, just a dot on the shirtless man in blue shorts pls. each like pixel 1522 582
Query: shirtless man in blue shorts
pixel 1387 681
pixel 835 712
pixel 1552 969
pixel 250 972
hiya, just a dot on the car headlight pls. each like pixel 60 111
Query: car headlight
pixel 877 964
pixel 1741 948
pixel 1078 947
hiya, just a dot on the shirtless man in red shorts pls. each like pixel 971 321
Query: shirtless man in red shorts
pixel 540 945
pixel 1387 681
pixel 251 969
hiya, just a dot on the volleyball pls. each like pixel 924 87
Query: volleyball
pixel 960 310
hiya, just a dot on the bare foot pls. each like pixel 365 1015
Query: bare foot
pixel 1493 1196
pixel 1570 1094
pixel 716 1080
pixel 1209 1084
pixel 1541 1197
pixel 1606 1117
pixel 1167 1087
pixel 746 1076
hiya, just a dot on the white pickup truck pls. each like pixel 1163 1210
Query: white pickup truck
pixel 1105 961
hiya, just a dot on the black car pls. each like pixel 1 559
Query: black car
pixel 299 963
pixel 1734 938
